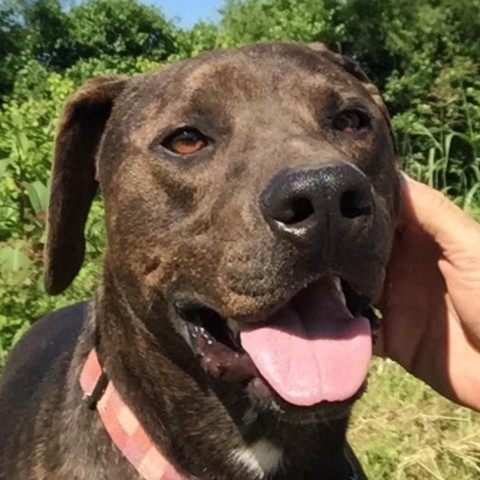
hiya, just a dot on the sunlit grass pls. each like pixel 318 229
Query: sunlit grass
pixel 403 430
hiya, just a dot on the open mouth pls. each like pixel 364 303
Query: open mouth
pixel 310 349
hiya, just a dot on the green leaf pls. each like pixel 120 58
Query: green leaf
pixel 38 195
pixel 13 260
pixel 4 163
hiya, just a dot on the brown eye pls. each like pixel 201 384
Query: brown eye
pixel 351 121
pixel 185 141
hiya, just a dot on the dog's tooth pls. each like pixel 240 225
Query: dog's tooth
pixel 339 290
pixel 371 314
pixel 233 326
pixel 206 336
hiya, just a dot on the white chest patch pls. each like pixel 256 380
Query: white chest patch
pixel 260 457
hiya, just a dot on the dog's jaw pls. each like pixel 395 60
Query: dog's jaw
pixel 233 350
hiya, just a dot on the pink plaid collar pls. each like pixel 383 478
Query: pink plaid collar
pixel 122 425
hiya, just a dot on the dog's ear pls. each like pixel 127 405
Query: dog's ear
pixel 353 68
pixel 73 178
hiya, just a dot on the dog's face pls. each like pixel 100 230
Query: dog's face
pixel 250 197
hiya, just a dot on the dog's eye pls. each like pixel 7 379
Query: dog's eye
pixel 185 141
pixel 351 121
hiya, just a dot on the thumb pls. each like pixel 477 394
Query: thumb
pixel 436 215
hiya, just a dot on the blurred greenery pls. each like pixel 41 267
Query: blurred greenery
pixel 423 54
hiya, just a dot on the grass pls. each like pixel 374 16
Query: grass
pixel 403 430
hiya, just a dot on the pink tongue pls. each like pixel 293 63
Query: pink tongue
pixel 312 349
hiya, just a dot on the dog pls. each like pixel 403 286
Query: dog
pixel 250 198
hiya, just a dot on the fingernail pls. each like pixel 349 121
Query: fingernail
pixel 406 177
pixel 407 181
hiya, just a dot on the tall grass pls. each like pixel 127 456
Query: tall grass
pixel 452 165
pixel 403 430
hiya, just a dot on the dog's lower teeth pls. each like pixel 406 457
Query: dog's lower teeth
pixel 209 340
pixel 233 326
pixel 339 290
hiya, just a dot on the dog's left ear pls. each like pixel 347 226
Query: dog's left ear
pixel 353 68
pixel 73 178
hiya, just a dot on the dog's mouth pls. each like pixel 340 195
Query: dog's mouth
pixel 312 348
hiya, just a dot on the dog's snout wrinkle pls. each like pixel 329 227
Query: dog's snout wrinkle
pixel 317 205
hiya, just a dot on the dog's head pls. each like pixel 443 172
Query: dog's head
pixel 250 196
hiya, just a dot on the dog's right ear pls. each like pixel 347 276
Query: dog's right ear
pixel 354 69
pixel 73 178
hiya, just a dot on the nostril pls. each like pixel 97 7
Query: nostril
pixel 295 211
pixel 354 204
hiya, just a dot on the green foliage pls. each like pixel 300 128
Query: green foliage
pixel 119 28
pixel 111 31
pixel 246 21
pixel 203 36
pixel 439 136
pixel 11 45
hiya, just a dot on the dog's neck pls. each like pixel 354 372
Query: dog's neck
pixel 123 427
pixel 208 428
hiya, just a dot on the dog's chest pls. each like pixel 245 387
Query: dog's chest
pixel 260 458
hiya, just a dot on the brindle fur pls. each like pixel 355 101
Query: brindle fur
pixel 190 226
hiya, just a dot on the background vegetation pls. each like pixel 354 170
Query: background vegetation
pixel 423 54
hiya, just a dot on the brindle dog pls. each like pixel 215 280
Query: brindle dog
pixel 251 197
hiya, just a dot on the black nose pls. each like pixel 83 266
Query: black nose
pixel 314 204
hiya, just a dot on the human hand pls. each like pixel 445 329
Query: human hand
pixel 431 300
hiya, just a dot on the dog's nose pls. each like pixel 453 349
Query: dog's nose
pixel 314 204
